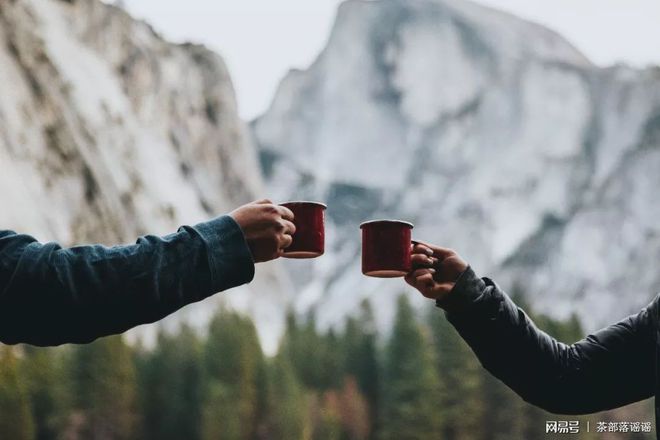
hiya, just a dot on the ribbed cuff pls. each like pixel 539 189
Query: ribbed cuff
pixel 468 288
pixel 230 258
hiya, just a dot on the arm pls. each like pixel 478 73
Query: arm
pixel 608 369
pixel 50 295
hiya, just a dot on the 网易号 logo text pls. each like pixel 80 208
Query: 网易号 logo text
pixel 562 426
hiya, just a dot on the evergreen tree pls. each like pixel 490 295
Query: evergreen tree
pixel 314 358
pixel 412 389
pixel 222 413
pixel 352 409
pixel 104 378
pixel 171 379
pixel 327 419
pixel 287 403
pixel 361 359
pixel 45 378
pixel 460 374
pixel 331 361
pixel 16 421
pixel 262 405
pixel 504 411
pixel 233 362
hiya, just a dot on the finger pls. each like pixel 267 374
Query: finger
pixel 426 286
pixel 289 227
pixel 410 279
pixel 285 241
pixel 421 260
pixel 285 212
pixel 425 280
pixel 419 248
pixel 439 252
pixel 419 272
pixel 262 202
pixel 274 254
pixel 270 214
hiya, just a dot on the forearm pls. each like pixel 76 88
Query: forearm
pixel 50 295
pixel 581 378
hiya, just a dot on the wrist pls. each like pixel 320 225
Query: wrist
pixel 467 289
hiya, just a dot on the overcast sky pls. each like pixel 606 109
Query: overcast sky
pixel 262 39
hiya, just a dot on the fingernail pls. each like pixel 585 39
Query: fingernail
pixel 432 270
pixel 430 260
pixel 429 252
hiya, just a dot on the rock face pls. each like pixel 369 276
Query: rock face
pixel 108 132
pixel 494 135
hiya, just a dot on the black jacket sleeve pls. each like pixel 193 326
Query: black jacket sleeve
pixel 610 368
pixel 50 295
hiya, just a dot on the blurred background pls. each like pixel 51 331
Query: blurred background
pixel 526 135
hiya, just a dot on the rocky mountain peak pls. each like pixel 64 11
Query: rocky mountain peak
pixel 494 135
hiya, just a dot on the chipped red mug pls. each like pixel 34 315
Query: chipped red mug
pixel 386 248
pixel 309 238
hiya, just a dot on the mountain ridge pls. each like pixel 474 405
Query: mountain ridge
pixel 481 132
pixel 108 132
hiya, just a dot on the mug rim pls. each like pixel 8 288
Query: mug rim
pixel 398 222
pixel 304 202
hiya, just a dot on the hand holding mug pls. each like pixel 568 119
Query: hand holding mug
pixel 435 270
pixel 267 228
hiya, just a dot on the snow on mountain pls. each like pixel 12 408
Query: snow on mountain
pixel 108 132
pixel 493 135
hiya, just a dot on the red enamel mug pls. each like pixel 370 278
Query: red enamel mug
pixel 309 238
pixel 386 248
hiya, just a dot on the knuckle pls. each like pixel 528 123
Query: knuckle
pixel 270 209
